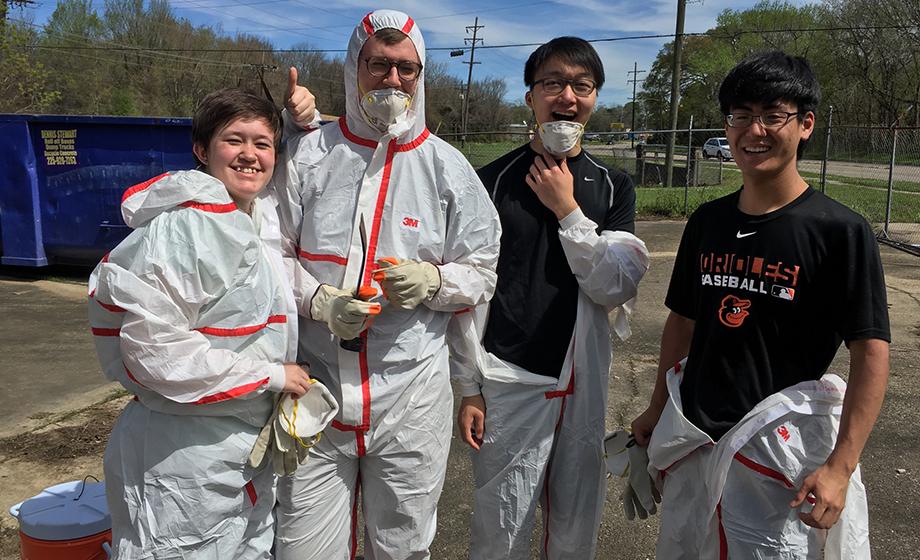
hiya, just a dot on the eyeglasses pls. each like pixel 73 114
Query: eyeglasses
pixel 379 67
pixel 769 120
pixel 582 87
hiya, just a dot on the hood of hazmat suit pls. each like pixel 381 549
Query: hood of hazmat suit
pixel 192 314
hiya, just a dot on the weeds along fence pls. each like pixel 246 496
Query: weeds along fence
pixel 874 170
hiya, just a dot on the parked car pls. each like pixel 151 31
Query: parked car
pixel 717 148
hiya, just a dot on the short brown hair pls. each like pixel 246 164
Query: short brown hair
pixel 221 107
pixel 390 35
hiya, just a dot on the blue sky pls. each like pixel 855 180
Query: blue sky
pixel 327 25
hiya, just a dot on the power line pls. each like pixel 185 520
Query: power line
pixel 513 45
pixel 728 36
pixel 152 53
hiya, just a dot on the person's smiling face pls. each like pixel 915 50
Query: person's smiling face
pixel 242 156
pixel 760 150
pixel 563 106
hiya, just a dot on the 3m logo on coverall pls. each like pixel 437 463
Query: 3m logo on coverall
pixel 783 432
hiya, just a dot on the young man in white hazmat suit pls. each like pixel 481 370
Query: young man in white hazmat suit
pixel 192 313
pixel 756 445
pixel 375 199
pixel 535 389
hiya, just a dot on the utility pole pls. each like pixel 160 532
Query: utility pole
pixel 635 78
pixel 469 79
pixel 675 90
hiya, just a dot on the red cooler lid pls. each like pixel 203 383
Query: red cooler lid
pixel 72 510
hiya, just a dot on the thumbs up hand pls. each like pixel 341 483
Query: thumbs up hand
pixel 299 102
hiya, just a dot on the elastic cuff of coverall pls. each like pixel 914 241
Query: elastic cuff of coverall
pixel 276 378
pixel 313 124
pixel 468 389
pixel 317 304
pixel 291 128
pixel 434 292
pixel 571 219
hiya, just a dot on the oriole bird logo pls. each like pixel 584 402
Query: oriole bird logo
pixel 733 310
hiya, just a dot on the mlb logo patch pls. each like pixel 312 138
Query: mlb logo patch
pixel 783 292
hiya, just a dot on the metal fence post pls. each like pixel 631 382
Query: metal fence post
pixel 640 162
pixel 687 169
pixel 827 147
pixel 894 149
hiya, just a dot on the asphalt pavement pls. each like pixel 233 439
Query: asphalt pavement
pixel 48 366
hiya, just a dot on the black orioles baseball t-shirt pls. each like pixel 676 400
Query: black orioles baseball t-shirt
pixel 773 296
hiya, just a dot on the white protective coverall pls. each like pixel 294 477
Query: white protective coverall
pixel 731 499
pixel 192 313
pixel 421 200
pixel 544 437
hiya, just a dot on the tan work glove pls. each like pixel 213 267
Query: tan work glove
pixel 407 283
pixel 285 454
pixel 265 441
pixel 295 426
pixel 628 460
pixel 345 315
pixel 639 495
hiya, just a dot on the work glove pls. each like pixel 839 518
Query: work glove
pixel 263 444
pixel 628 460
pixel 407 283
pixel 295 426
pixel 345 314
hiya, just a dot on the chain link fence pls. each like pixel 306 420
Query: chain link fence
pixel 873 170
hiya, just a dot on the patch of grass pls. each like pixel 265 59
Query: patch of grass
pixel 659 202
pixel 871 203
pixel 50 418
pixel 61 445
pixel 481 153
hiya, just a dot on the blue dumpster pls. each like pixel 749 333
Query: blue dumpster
pixel 62 177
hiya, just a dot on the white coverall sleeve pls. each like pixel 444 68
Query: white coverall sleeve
pixel 608 266
pixel 464 341
pixel 471 248
pixel 291 129
pixel 168 284
pixel 287 184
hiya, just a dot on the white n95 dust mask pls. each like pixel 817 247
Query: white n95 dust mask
pixel 559 137
pixel 382 107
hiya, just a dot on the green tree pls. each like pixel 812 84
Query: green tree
pixel 876 65
pixel 707 58
pixel 24 86
pixel 76 70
